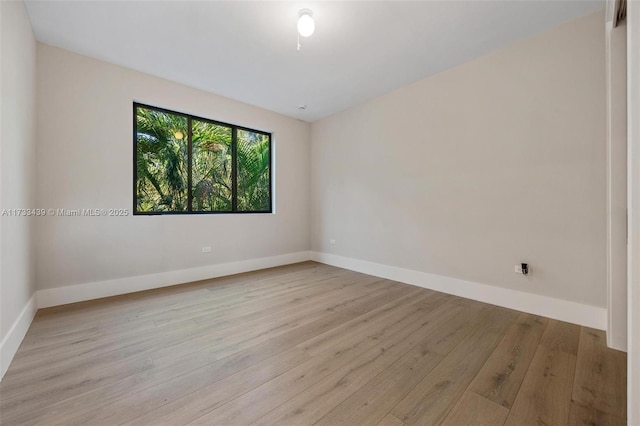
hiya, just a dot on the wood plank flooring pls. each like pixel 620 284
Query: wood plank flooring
pixel 308 344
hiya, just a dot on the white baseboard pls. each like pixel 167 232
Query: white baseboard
pixel 14 337
pixel 563 310
pixel 95 290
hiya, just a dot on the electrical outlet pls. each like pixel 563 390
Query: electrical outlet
pixel 332 242
pixel 206 249
pixel 522 268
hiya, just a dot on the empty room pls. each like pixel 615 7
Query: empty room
pixel 329 212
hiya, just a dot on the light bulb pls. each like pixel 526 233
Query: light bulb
pixel 178 135
pixel 306 25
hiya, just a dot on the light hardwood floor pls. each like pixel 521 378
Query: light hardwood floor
pixel 308 344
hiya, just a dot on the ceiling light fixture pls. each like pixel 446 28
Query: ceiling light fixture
pixel 178 135
pixel 306 24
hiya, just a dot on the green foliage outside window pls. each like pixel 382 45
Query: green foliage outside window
pixel 186 164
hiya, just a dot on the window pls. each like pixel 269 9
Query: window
pixel 185 164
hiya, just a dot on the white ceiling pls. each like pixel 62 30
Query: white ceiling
pixel 247 50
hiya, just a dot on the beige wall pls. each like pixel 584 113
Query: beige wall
pixel 467 173
pixel 617 185
pixel 17 164
pixel 85 161
pixel 633 266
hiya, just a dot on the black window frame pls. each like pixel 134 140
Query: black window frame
pixel 234 167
